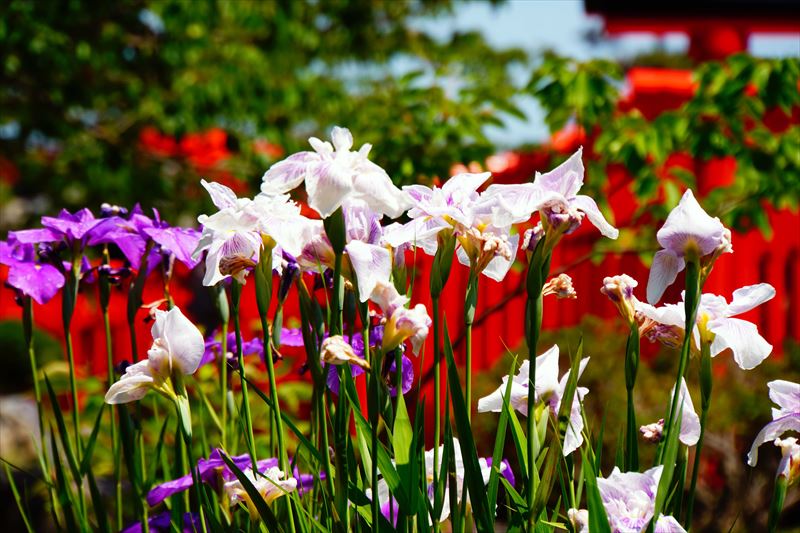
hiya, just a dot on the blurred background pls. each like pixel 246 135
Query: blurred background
pixel 136 100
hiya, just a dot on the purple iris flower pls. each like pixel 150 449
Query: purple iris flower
pixel 132 234
pixel 40 281
pixel 72 228
pixel 208 470
pixel 214 348
pixel 161 523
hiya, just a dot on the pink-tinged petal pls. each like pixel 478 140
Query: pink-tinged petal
pixel 688 223
pixel 750 297
pixel 221 195
pixel 499 266
pixel 786 394
pixel 566 179
pixel 772 431
pixel 465 183
pixel 288 174
pixel 34 236
pixel 742 337
pixel 667 524
pixel 588 206
pixel 342 139
pixel 690 422
pixel 371 263
pixel 418 193
pixel 186 343
pixel 328 187
pixel 133 385
pixel 663 273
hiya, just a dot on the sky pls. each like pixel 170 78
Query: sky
pixel 535 25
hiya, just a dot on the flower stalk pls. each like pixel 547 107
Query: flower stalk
pixel 236 295
pixel 706 384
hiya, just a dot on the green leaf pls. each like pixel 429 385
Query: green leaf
pixel 62 431
pixel 598 519
pixel 472 470
pixel 17 498
pixel 403 434
pixel 499 444
pixel 89 448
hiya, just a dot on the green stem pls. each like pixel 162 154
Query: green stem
pixel 69 299
pixel 470 304
pixel 776 505
pixel 236 294
pixel 631 369
pixel 538 269
pixel 437 401
pixel 705 393
pixel 692 300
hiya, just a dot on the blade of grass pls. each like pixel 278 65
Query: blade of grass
pixel 469 454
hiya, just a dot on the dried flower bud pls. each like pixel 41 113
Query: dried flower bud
pixel 532 237
pixel 336 351
pixel 107 210
pixel 619 290
pixel 236 266
pixel 561 286
pixel 654 432
pixel 481 247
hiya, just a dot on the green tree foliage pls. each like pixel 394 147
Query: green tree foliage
pixel 733 113
pixel 81 79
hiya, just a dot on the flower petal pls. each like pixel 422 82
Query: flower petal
pixel 370 263
pixel 742 337
pixel 133 385
pixel 749 297
pixel 221 195
pixel 288 174
pixel 689 223
pixel 663 271
pixel 786 394
pixel 589 206
pixel 342 139
pixel 566 179
pixel 690 422
pixel 186 344
pixel 772 431
pixel 328 186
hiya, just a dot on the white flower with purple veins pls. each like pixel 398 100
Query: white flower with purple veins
pixel 435 209
pixel 555 194
pixel 400 323
pixel 234 235
pixel 549 390
pixel 177 347
pixel 786 417
pixel 270 484
pixel 333 175
pixel 688 229
pixel 629 501
pixel 716 325
pixel 367 259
